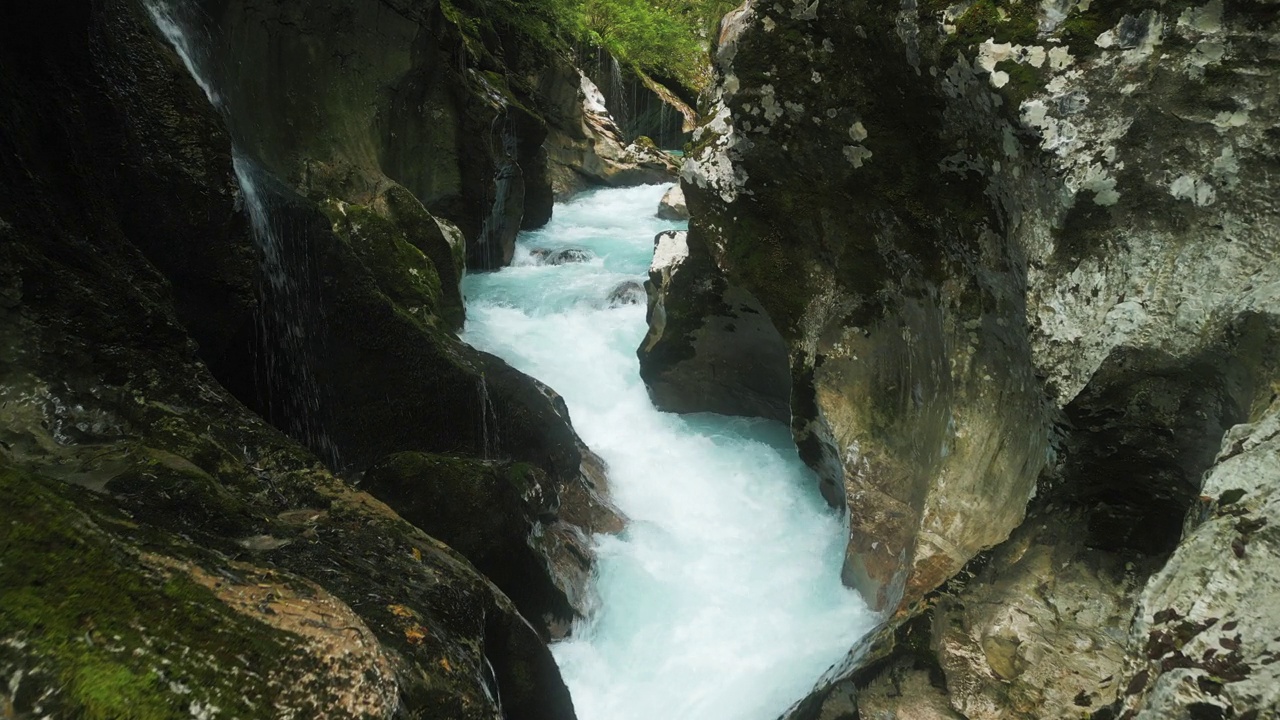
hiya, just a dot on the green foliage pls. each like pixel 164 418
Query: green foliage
pixel 670 38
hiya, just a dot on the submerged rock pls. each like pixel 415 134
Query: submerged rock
pixel 672 206
pixel 629 292
pixel 563 256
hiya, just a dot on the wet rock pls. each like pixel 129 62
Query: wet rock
pixel 156 506
pixel 731 362
pixel 499 516
pixel 563 256
pixel 629 292
pixel 672 206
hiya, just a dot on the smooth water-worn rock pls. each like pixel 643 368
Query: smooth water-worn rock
pixel 673 206
pixel 504 517
pixel 586 148
pixel 628 292
pixel 731 362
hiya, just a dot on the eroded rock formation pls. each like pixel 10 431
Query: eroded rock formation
pixel 1022 258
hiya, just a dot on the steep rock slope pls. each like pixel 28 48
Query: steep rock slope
pixel 168 552
pixel 1012 251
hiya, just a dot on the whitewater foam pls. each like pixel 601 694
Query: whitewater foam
pixel 722 599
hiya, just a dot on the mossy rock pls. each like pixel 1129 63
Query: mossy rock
pixel 491 512
pixel 112 635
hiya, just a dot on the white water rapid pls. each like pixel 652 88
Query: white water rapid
pixel 722 599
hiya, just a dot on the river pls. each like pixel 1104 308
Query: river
pixel 722 599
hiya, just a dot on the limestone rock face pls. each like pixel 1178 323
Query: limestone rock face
pixel 586 148
pixel 1207 621
pixel 1037 261
pixel 1039 272
pixel 672 206
pixel 347 98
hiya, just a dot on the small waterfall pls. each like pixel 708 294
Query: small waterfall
pixel 172 20
pixel 497 226
pixel 290 318
pixel 618 98
pixel 291 323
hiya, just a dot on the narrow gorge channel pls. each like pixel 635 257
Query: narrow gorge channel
pixel 722 598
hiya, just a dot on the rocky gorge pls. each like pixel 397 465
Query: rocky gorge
pixel 1008 270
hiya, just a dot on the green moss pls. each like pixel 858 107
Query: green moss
pixel 1024 81
pixel 1079 31
pixel 403 273
pixel 1001 20
pixel 118 635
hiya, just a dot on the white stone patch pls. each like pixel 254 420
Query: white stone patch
pixel 1035 56
pixel 1103 186
pixel 1060 58
pixel 1197 190
pixel 828 46
pixel 816 77
pixel 1208 52
pixel 1052 13
pixel 1204 19
pixel 772 110
pixel 592 98
pixel 769 24
pixel 1226 167
pixel 856 154
pixel 805 10
pixel 670 252
pixel 953 13
pixel 1226 120
pixel 858 132
pixel 999 79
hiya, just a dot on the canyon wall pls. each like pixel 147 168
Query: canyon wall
pixel 1022 264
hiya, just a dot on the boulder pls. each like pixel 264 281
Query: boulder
pixel 672 206
pixel 732 362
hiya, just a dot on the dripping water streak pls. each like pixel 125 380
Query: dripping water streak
pixel 288 303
